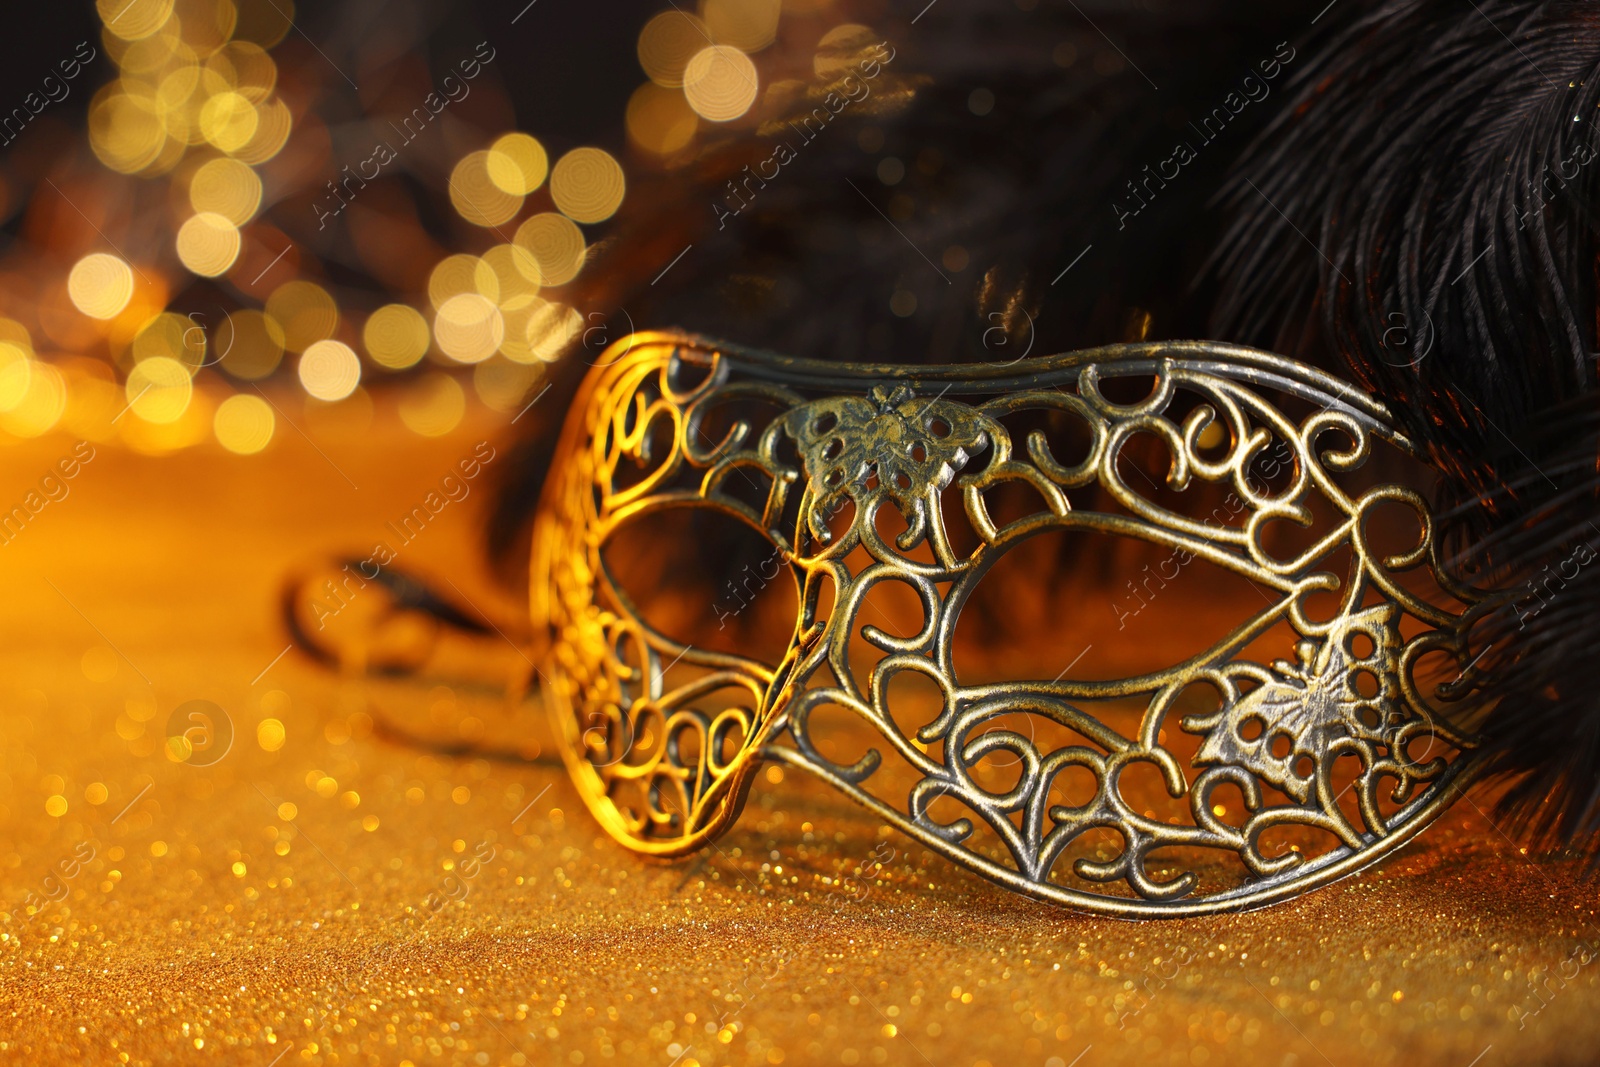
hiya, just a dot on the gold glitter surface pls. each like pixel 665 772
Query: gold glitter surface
pixel 310 892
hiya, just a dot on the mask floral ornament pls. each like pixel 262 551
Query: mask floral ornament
pixel 1338 755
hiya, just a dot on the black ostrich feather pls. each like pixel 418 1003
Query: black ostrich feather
pixel 1425 215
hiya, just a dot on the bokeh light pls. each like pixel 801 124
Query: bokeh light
pixel 244 424
pixel 517 164
pixel 159 390
pixel 250 345
pixel 476 197
pixel 660 121
pixel 720 83
pixel 100 285
pixel 557 246
pixel 468 327
pixel 329 370
pixel 396 336
pixel 226 187
pixel 434 406
pixel 667 43
pixel 208 244
pixel 587 185
pixel 748 25
pixel 305 312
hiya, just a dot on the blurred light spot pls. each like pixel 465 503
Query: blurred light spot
pixel 305 312
pixel 475 195
pixel 468 327
pixel 369 823
pixel 287 810
pixel 228 121
pixel 980 102
pixel 244 424
pixel 587 185
pixel 171 336
pixel 133 19
pixel 270 734
pixel 330 370
pixel 891 170
pixel 41 404
pixel 720 83
pixel 434 406
pixel 16 374
pixel 273 125
pixel 97 793
pixel 551 329
pixel 55 805
pixel 667 43
pixel 517 164
pixel 460 794
pixel 660 121
pixel 208 244
pixel 158 849
pixel 239 869
pixel 748 25
pixel 396 336
pixel 228 188
pixel 100 285
pixel 125 131
pixel 955 258
pixel 252 347
pixel 159 389
pixel 461 273
pixel 557 246
pixel 516 273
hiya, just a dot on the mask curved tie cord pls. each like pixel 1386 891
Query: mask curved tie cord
pixel 407 594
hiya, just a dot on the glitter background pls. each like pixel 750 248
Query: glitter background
pixel 346 899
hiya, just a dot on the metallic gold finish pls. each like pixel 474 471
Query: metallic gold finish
pixel 670 421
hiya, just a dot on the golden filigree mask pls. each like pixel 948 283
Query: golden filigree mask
pixel 1272 775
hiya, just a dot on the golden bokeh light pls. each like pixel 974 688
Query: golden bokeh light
pixel 557 246
pixel 171 336
pixel 132 20
pixel 475 195
pixel 516 273
pixel 517 164
pixel 228 120
pixel 748 25
pixel 660 121
pixel 587 185
pixel 667 43
pixel 126 130
pixel 100 285
pixel 250 344
pixel 208 244
pixel 330 370
pixel 226 187
pixel 720 83
pixel 468 327
pixel 273 125
pixel 41 404
pixel 247 67
pixel 396 336
pixel 841 48
pixel 305 312
pixel 434 406
pixel 16 372
pixel 244 424
pixel 461 273
pixel 551 329
pixel 159 390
